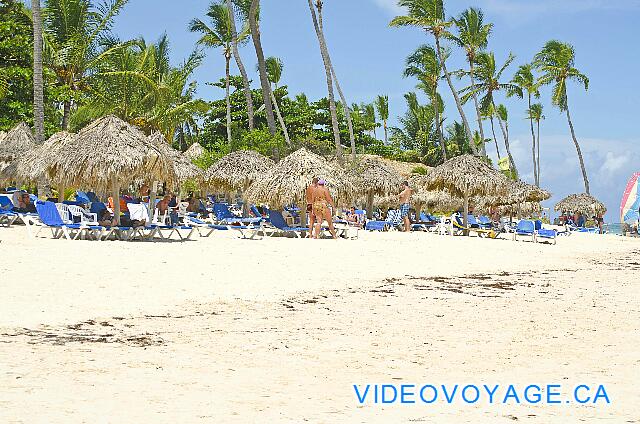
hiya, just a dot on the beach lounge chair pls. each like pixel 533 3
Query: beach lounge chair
pixel 140 212
pixel 49 217
pixel 525 228
pixel 7 215
pixel 393 221
pixel 277 220
pixel 458 228
pixel 204 229
pixel 542 233
pixel 224 216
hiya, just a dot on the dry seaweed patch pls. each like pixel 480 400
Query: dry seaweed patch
pixel 86 332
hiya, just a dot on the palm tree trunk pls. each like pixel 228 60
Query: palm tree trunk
pixel 243 71
pixel 279 115
pixel 483 150
pixel 66 111
pixel 227 98
pixel 579 151
pixel 385 131
pixel 264 81
pixel 330 94
pixel 436 110
pixel 533 146
pixel 465 122
pixel 505 134
pixel 347 111
pixel 495 139
pixel 538 147
pixel 38 84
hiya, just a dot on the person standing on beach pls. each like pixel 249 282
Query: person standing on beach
pixel 309 198
pixel 321 199
pixel 405 196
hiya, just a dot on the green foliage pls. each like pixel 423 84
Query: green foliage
pixel 16 70
pixel 421 170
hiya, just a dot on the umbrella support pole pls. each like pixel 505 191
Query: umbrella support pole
pixel 370 205
pixel 465 218
pixel 152 200
pixel 61 189
pixel 115 188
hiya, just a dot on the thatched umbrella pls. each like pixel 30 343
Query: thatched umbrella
pixel 110 153
pixel 37 164
pixel 437 200
pixel 515 199
pixel 194 151
pixel 237 171
pixel 466 176
pixel 372 178
pixel 287 181
pixel 582 203
pixel 13 145
pixel 183 168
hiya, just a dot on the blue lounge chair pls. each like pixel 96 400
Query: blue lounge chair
pixel 278 221
pixel 525 228
pixel 458 227
pixel 393 221
pixel 545 233
pixel 50 218
pixel 224 216
pixel 203 228
pixel 7 215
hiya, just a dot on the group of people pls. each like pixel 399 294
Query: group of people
pixel 321 207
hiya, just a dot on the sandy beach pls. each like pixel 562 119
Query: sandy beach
pixel 279 330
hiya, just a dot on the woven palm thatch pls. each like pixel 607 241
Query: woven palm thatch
pixel 372 177
pixel 518 192
pixel 16 142
pixel 288 180
pixel 110 151
pixel 194 151
pixel 37 163
pixel 466 176
pixel 238 170
pixel 582 203
pixel 436 200
pixel 183 168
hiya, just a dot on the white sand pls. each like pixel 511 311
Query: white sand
pixel 278 330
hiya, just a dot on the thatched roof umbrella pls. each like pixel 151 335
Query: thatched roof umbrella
pixel 37 164
pixel 237 171
pixel 582 203
pixel 466 176
pixel 16 142
pixel 372 178
pixel 287 181
pixel 13 145
pixel 194 151
pixel 183 168
pixel 439 200
pixel 110 153
pixel 515 200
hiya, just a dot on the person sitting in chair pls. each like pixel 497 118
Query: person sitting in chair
pixel 25 205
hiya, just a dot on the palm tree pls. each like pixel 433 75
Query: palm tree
pixel 489 76
pixel 218 34
pixel 324 52
pixel 490 113
pixel 535 113
pixel 556 61
pixel 429 15
pixel 77 37
pixel 243 7
pixel 503 116
pixel 424 65
pixel 274 67
pixel 473 36
pixel 264 80
pixel 345 105
pixel 525 80
pixel 382 106
pixel 38 84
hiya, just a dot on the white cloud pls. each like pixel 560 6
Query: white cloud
pixel 390 6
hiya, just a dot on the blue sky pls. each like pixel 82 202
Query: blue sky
pixel 369 58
